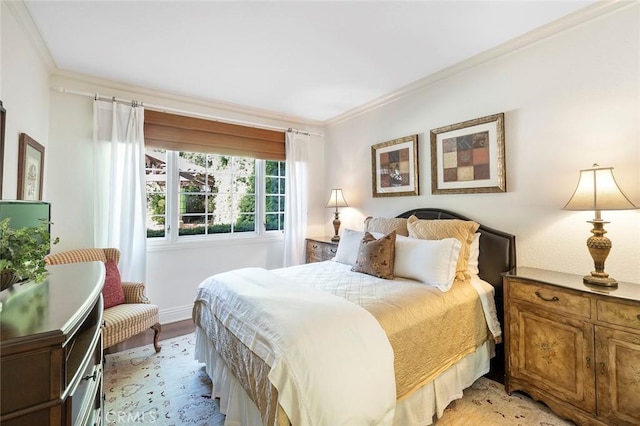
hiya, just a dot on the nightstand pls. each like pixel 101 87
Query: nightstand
pixel 320 249
pixel 572 346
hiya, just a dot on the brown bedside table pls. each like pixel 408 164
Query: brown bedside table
pixel 320 249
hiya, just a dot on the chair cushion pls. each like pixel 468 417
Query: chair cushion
pixel 127 320
pixel 112 291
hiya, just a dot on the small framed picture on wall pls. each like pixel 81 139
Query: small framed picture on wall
pixel 30 168
pixel 394 167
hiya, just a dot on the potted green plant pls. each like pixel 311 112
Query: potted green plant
pixel 22 253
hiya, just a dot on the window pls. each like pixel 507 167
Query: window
pixel 201 194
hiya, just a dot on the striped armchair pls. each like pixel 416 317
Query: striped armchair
pixel 134 316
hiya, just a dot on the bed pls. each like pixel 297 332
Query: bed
pixel 321 344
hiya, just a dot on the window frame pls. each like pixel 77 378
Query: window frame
pixel 172 210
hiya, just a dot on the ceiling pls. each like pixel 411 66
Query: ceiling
pixel 310 60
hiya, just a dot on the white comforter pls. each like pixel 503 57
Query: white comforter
pixel 305 346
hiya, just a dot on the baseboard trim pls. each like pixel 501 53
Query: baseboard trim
pixel 176 314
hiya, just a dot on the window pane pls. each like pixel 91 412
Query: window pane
pixel 192 171
pixel 246 203
pixel 155 226
pixel 192 203
pixel 156 204
pixel 223 183
pixel 272 222
pixel 281 186
pixel 271 168
pixel 245 223
pixel 271 185
pixel 243 184
pixel 219 226
pixel 192 224
pixel 281 204
pixel 283 168
pixel 272 203
pixel 155 186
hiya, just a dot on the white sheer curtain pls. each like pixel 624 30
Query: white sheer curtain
pixel 119 197
pixel 295 205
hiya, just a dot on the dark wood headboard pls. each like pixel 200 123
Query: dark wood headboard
pixel 497 248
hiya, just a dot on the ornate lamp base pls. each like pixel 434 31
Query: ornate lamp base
pixel 336 226
pixel 599 248
pixel 606 282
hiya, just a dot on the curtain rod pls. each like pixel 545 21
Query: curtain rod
pixel 97 96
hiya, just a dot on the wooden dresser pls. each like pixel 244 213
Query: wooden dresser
pixel 320 249
pixel 51 348
pixel 574 347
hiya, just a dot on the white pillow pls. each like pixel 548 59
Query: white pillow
pixel 474 254
pixel 432 262
pixel 348 246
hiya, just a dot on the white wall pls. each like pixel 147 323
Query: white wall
pixel 25 95
pixel 569 101
pixel 173 271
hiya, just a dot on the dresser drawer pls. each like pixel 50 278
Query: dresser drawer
pixel 319 251
pixel 615 312
pixel 551 297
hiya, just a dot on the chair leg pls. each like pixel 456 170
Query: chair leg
pixel 156 332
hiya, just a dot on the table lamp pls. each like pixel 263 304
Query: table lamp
pixel 598 190
pixel 336 200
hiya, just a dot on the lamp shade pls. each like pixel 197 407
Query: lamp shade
pixel 598 190
pixel 337 199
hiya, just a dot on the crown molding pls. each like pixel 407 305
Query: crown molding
pixel 21 13
pixel 143 94
pixel 546 31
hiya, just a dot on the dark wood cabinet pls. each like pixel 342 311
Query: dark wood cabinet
pixel 319 249
pixel 576 348
pixel 51 349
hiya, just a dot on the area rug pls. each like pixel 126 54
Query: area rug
pixel 171 388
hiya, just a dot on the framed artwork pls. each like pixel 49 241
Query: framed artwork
pixel 468 157
pixel 3 117
pixel 394 166
pixel 30 168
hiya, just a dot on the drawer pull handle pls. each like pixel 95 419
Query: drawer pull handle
pixel 315 246
pixel 93 376
pixel 553 299
pixel 602 368
pixel 334 252
pixel 588 362
pixel 638 316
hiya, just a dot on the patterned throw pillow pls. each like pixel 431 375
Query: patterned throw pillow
pixel 112 291
pixel 462 230
pixel 376 257
pixel 386 225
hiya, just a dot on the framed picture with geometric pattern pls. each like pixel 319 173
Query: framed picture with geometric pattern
pixel 394 167
pixel 468 157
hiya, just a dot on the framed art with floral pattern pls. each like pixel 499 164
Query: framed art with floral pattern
pixel 30 168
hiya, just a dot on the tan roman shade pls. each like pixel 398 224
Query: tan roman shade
pixel 181 133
